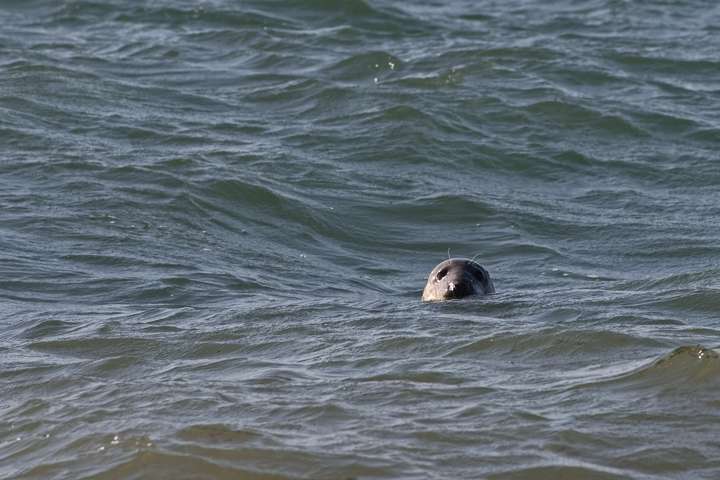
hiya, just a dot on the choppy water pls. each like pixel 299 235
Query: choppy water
pixel 216 219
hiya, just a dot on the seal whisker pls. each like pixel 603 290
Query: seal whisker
pixel 476 256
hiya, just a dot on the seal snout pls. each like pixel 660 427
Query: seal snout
pixel 456 287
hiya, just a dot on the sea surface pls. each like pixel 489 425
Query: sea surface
pixel 216 219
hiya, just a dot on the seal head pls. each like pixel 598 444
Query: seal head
pixel 457 278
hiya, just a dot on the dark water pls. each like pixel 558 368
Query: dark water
pixel 216 219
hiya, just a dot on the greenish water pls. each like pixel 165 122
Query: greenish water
pixel 216 219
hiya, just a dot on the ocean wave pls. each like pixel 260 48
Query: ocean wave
pixel 690 366
pixel 364 66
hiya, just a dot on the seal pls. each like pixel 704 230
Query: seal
pixel 457 278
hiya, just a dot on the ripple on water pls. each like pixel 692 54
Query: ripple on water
pixel 556 342
pixel 574 116
pixel 552 472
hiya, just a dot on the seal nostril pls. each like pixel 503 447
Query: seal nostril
pixel 442 273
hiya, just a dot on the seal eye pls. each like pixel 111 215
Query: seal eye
pixel 441 274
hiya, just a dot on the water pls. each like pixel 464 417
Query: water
pixel 216 219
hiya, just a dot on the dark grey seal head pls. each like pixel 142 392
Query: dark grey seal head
pixel 457 278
